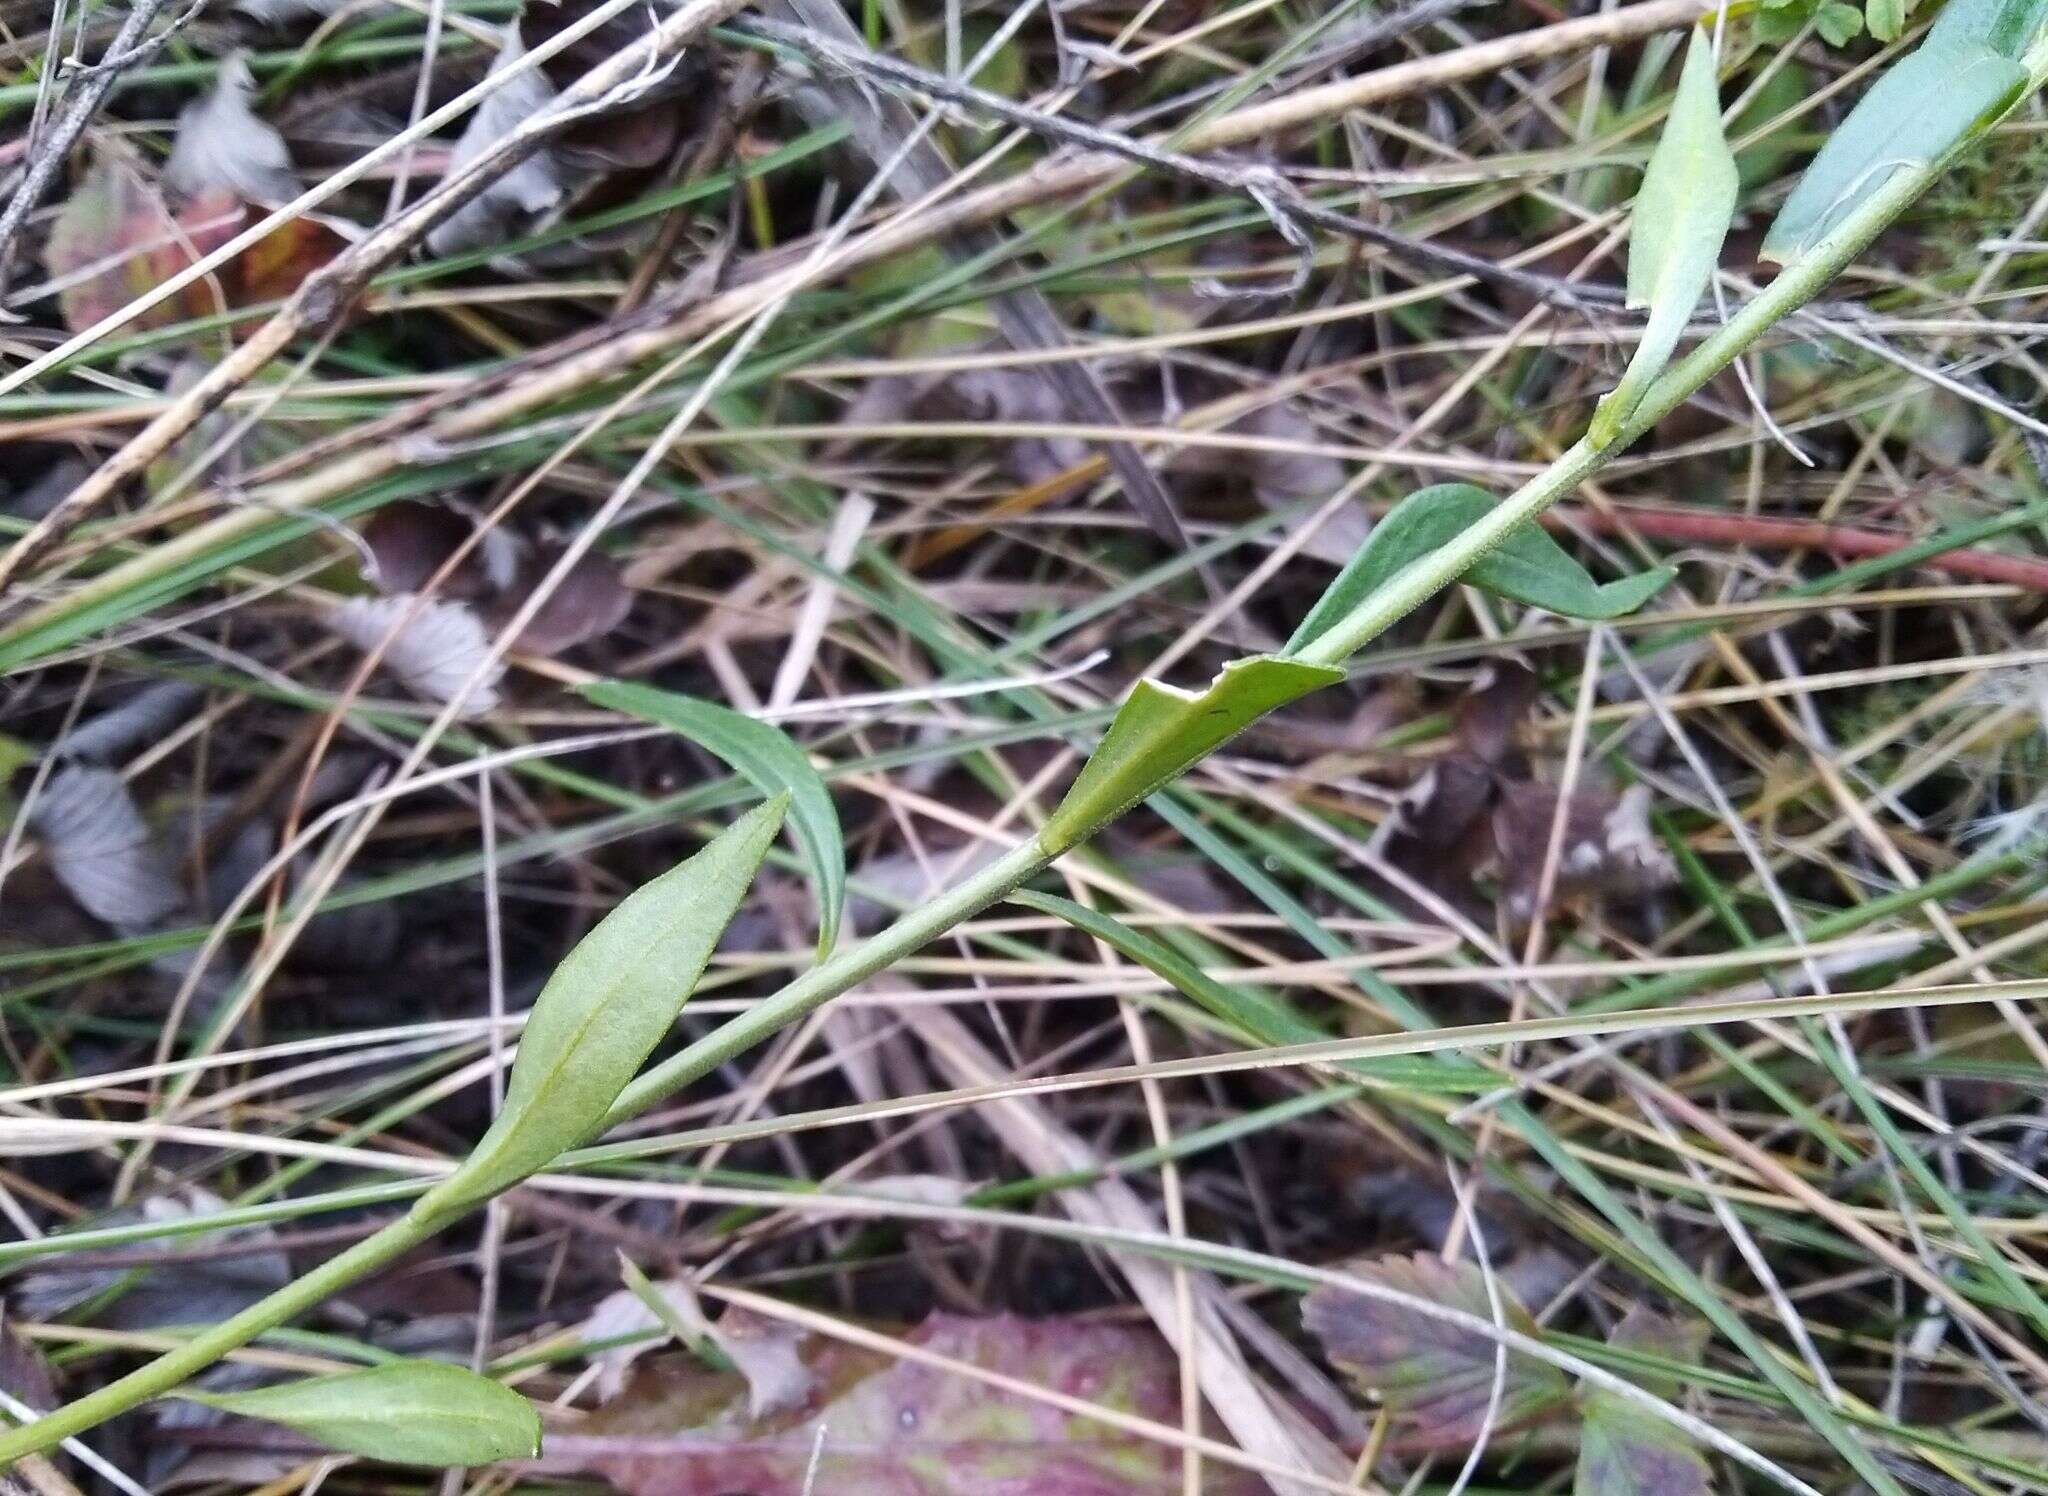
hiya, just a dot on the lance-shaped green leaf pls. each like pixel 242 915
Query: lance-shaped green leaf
pixel 1954 85
pixel 1161 729
pixel 1681 217
pixel 605 1008
pixel 1528 566
pixel 404 1412
pixel 1259 1017
pixel 769 760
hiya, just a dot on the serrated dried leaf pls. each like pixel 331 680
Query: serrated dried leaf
pixel 431 645
pixel 530 189
pixel 115 239
pixel 886 1427
pixel 1626 1452
pixel 1435 1378
pixel 102 850
pixel 1648 1333
pixel 222 145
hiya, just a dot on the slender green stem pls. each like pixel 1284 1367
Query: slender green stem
pixel 838 973
pixel 1800 283
pixel 202 1350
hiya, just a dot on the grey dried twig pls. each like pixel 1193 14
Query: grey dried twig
pixel 131 45
pixel 1280 200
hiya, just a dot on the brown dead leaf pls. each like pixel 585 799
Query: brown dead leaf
pixel 591 601
pixel 886 1427
pixel 1436 1378
pixel 1607 848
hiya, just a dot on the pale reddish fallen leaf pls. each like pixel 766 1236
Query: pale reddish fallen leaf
pixel 897 1428
pixel 115 239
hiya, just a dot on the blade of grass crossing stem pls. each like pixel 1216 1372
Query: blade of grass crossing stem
pixel 1528 566
pixel 405 1412
pixel 1649 1248
pixel 607 1005
pixel 1259 1017
pixel 765 757
pixel 1691 1287
pixel 1681 217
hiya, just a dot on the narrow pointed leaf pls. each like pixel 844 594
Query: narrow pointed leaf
pixel 1161 729
pixel 606 1007
pixel 1528 566
pixel 1955 84
pixel 405 1412
pixel 770 761
pixel 1681 217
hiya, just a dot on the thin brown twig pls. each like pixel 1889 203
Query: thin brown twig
pixel 1773 534
pixel 130 45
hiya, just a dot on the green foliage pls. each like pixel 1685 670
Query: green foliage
pixel 1260 1018
pixel 1949 89
pixel 770 761
pixel 1528 566
pixel 404 1412
pixel 1160 730
pixel 1681 217
pixel 1437 1379
pixel 606 1007
pixel 1780 21
pixel 1623 1449
pixel 1783 91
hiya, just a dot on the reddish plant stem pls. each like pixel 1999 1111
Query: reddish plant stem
pixel 1772 534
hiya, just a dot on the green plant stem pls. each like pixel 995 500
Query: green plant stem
pixel 1797 285
pixel 204 1349
pixel 838 973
